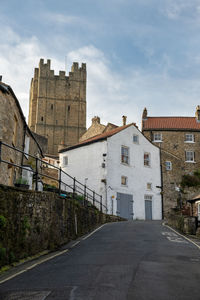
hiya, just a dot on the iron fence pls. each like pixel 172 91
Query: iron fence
pixel 71 187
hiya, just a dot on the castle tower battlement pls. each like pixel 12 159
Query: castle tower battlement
pixel 57 105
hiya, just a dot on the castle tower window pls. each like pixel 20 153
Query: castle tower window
pixel 52 106
pixel 41 118
pixel 68 108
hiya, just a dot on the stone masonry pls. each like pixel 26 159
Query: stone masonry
pixel 57 108
pixel 173 149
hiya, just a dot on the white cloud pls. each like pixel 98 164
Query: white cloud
pixel 110 93
pixel 63 19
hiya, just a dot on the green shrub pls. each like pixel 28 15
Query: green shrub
pixel 190 180
pixel 3 222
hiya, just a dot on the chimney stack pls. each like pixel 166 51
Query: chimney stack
pixel 96 120
pixel 144 115
pixel 124 120
pixel 197 114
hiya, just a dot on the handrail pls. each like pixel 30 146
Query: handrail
pixel 77 186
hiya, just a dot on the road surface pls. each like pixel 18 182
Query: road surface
pixel 126 260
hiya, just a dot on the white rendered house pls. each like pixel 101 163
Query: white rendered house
pixel 122 166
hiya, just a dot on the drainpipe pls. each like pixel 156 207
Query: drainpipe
pixel 161 184
pixel 23 146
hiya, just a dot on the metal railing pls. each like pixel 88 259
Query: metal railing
pixel 71 187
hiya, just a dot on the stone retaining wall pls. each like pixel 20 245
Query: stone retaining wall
pixel 31 222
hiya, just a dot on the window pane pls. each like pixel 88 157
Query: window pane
pixel 146 159
pixel 125 155
pixel 189 156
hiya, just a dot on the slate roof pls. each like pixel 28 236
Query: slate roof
pixel 97 138
pixel 171 123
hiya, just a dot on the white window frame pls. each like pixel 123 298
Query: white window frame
pixel 125 178
pixel 136 139
pixel 147 162
pixel 168 165
pixel 125 159
pixel 148 197
pixel 149 186
pixel 157 137
pixel 189 138
pixel 192 156
pixel 65 161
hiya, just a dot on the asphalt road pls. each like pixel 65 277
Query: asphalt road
pixel 126 260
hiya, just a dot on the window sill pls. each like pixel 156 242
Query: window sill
pixel 189 142
pixel 191 162
pixel 157 141
pixel 147 166
pixel 124 164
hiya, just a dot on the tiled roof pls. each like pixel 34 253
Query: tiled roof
pixel 164 123
pixel 98 137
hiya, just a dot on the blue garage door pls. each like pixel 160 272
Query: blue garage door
pixel 125 206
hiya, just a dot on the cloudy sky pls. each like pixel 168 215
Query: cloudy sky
pixel 138 52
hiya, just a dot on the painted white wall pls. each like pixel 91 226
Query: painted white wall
pixel 86 162
pixel 138 174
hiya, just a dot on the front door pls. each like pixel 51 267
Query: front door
pixel 125 206
pixel 148 209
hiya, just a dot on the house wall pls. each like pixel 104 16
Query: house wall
pixel 138 175
pixel 85 163
pixel 12 133
pixel 57 108
pixel 173 147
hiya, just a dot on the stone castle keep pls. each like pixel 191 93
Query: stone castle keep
pixel 57 108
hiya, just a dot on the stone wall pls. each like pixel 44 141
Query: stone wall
pixel 57 108
pixel 31 222
pixel 173 147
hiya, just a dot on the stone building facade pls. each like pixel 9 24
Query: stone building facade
pixel 57 108
pixel 96 128
pixel 15 132
pixel 178 139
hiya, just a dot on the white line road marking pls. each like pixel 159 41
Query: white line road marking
pixel 34 265
pixel 49 258
pixel 86 237
pixel 75 244
pixel 173 237
pixel 186 238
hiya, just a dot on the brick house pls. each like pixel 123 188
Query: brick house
pixel 178 139
pixel 15 132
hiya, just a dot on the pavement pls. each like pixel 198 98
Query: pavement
pixel 132 260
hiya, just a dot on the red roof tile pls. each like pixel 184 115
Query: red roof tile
pixel 98 137
pixel 164 123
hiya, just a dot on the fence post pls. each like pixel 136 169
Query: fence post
pixel 94 198
pixel 74 187
pixel 60 172
pixel 0 150
pixel 36 174
pixel 101 203
pixel 84 195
